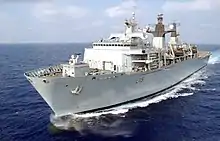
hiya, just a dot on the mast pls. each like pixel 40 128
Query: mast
pixel 159 33
pixel 159 29
pixel 174 34
pixel 130 25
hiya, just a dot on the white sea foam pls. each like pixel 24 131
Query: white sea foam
pixel 215 57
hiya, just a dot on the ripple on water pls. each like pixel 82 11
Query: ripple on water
pixel 190 111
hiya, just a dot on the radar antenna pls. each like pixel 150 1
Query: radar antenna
pixel 131 25
pixel 134 10
pixel 160 30
pixel 173 28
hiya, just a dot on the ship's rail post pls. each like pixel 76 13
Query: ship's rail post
pixel 191 52
pixel 148 58
pixel 161 61
pixel 159 58
pixel 165 57
pixel 173 54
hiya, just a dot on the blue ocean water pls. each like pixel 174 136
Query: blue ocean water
pixel 190 111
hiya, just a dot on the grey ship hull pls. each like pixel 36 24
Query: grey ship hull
pixel 113 89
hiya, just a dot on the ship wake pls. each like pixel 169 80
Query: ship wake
pixel 215 57
pixel 110 122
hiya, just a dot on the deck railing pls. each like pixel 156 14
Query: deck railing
pixel 51 70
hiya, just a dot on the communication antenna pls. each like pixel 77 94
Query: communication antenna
pixel 134 11
pixel 174 24
pixel 173 28
pixel 132 8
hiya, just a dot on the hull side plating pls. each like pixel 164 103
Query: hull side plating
pixel 112 89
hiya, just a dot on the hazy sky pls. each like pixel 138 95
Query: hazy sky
pixel 88 20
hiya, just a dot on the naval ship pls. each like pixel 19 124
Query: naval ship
pixel 137 63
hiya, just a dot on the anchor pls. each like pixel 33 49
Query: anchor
pixel 77 90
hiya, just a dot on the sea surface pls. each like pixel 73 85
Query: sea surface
pixel 189 111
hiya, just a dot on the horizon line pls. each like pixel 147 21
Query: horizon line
pixel 1 43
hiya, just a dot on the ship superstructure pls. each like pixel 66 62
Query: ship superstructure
pixel 138 49
pixel 124 67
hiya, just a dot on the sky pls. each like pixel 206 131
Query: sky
pixel 90 20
